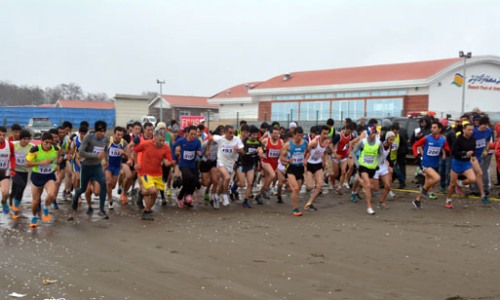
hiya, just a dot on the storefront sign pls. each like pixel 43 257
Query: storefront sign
pixel 483 82
pixel 191 120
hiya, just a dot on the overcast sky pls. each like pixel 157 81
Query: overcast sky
pixel 200 47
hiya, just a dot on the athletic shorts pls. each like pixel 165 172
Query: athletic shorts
pixel 370 172
pixel 273 162
pixel 76 168
pixel 340 160
pixel 115 171
pixel 39 180
pixel 382 171
pixel 229 169
pixel 152 181
pixel 3 175
pixel 207 165
pixel 281 168
pixel 434 168
pixel 460 166
pixel 313 168
pixel 296 170
pixel 245 168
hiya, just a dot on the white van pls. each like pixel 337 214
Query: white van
pixel 149 119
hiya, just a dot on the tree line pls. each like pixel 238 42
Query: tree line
pixel 11 94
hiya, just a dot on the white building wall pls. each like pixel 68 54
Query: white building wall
pixel 446 97
pixel 246 111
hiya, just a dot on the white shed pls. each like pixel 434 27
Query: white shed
pixel 130 107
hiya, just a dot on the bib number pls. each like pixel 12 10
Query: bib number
pixel 433 151
pixel 114 152
pixel 227 149
pixel 480 143
pixel 273 153
pixel 21 161
pixel 45 169
pixel 188 155
pixel 97 149
pixel 368 159
pixel 298 158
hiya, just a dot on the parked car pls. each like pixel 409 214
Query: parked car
pixel 149 119
pixel 408 124
pixel 37 126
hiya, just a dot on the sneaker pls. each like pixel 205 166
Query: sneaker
pixel 338 190
pixel 449 204
pixel 164 202
pixel 56 206
pixel 15 214
pixel 180 203
pixel 354 197
pixel 424 193
pixel 207 196
pixel 189 199
pixel 225 200
pixel 266 195
pixel 417 204
pixel 119 190
pixel 123 198
pixel 103 215
pixel 460 183
pixel 45 214
pixel 147 216
pixel 392 195
pixel 169 193
pixel 258 200
pixel 310 207
pixel 458 190
pixel 432 196
pixel 110 205
pixel 370 211
pixel 34 222
pixel 216 201
pixel 296 212
pixel 382 205
pixel 246 204
pixel 346 185
pixel 485 200
pixel 5 208
pixel 280 200
pixel 90 211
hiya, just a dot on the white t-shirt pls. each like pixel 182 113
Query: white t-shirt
pixel 226 154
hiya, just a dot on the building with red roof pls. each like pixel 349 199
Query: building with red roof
pixel 236 103
pixel 175 106
pixel 380 90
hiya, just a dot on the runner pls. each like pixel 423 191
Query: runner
pixel 42 159
pixel 292 155
pixel 229 148
pixel 187 149
pixel 114 153
pixel 271 160
pixel 340 144
pixel 208 166
pixel 92 151
pixel 249 161
pixel 7 167
pixel 481 165
pixel 371 152
pixel 76 160
pixel 20 179
pixel 316 162
pixel 434 145
pixel 157 153
pixel 463 152
pixel 165 170
pixel 384 172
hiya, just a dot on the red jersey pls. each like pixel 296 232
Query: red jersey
pixel 342 141
pixel 272 153
pixel 155 155
pixel 7 157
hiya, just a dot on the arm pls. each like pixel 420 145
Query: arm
pixel 12 158
pixel 417 144
pixel 284 154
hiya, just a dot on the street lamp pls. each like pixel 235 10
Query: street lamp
pixel 161 98
pixel 461 54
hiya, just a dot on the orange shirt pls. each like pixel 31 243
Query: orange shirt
pixel 153 157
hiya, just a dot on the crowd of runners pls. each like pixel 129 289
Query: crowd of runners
pixel 144 163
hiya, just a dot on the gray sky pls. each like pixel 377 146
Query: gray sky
pixel 200 47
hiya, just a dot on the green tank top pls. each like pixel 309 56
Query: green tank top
pixel 369 155
pixel 21 153
pixel 43 155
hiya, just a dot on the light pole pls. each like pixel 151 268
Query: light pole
pixel 161 98
pixel 463 55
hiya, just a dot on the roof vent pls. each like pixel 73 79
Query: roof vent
pixel 228 92
pixel 247 86
pixel 287 77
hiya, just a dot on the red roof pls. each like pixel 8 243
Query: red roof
pixel 85 104
pixel 188 101
pixel 238 91
pixel 378 73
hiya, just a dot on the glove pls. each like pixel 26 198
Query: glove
pixel 418 159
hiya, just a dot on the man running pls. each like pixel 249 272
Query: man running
pixel 42 159
pixel 249 161
pixel 340 145
pixel 7 166
pixel 270 161
pixel 114 153
pixel 20 179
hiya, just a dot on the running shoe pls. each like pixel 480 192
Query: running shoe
pixel 354 197
pixel 189 199
pixel 417 204
pixel 392 195
pixel 15 211
pixel 103 215
pixel 180 203
pixel 458 190
pixel 34 222
pixel 338 190
pixel 169 193
pixel 45 214
pixel 310 207
pixel 147 216
pixel 424 193
pixel 110 205
pixel 225 200
pixel 216 201
pixel 296 212
pixel 346 185
pixel 90 210
pixel 449 204
pixel 164 202
pixel 246 204
pixel 5 208
pixel 382 205
pixel 485 200
pixel 432 196
pixel 266 195
pixel 358 196
pixel 370 211
pixel 56 206
pixel 258 200
pixel 123 198
pixel 280 200
pixel 119 190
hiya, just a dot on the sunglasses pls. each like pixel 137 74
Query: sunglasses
pixel 101 129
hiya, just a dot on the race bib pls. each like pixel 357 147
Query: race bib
pixel 4 164
pixel 97 149
pixel 433 151
pixel 480 143
pixel 21 161
pixel 227 149
pixel 298 158
pixel 188 155
pixel 368 159
pixel 115 152
pixel 274 153
pixel 45 169
pixel 252 150
pixel 394 146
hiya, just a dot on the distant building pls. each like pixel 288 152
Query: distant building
pixel 236 103
pixel 175 106
pixel 64 103
pixel 130 107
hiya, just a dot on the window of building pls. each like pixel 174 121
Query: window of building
pixel 285 111
pixel 314 110
pixel 184 113
pixel 289 97
pixel 353 109
pixel 380 108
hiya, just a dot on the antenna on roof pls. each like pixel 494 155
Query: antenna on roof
pixel 286 77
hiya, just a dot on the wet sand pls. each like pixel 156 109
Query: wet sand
pixel 338 252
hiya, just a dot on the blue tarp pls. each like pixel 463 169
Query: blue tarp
pixel 21 115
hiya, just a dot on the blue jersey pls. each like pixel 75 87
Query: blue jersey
pixel 432 151
pixel 482 137
pixel 297 153
pixel 115 158
pixel 187 157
